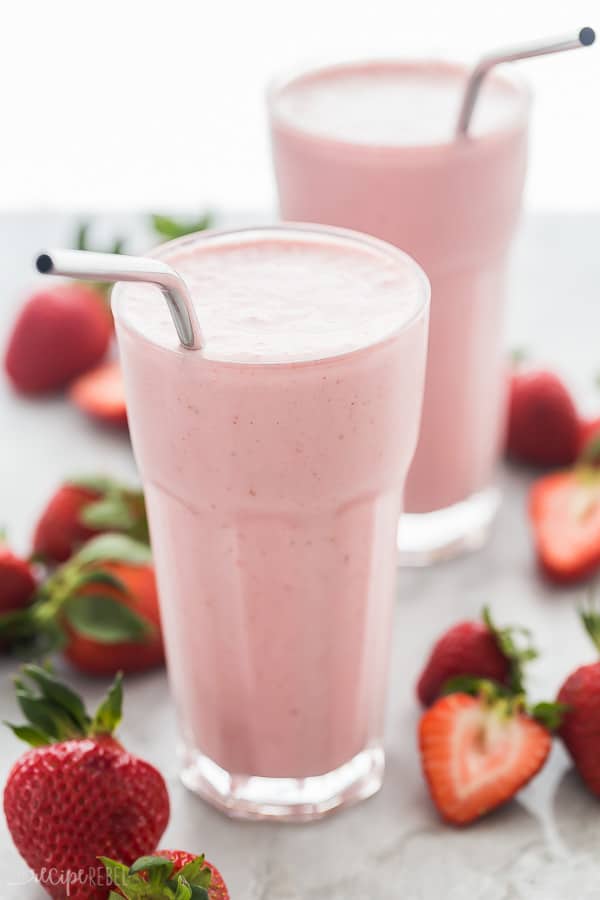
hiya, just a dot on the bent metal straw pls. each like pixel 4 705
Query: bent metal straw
pixel 585 38
pixel 85 265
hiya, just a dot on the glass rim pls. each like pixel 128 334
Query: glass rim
pixel 343 235
pixel 279 82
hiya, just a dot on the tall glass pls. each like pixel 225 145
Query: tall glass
pixel 273 462
pixel 371 146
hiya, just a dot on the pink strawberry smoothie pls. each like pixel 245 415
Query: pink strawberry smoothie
pixel 273 462
pixel 371 146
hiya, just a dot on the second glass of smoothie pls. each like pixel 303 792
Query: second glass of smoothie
pixel 372 146
pixel 273 461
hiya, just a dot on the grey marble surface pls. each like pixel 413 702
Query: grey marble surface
pixel 393 846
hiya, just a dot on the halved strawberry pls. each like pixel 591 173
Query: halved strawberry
pixel 478 752
pixel 100 394
pixel 564 509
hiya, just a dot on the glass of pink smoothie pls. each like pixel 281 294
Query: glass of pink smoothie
pixel 274 461
pixel 372 146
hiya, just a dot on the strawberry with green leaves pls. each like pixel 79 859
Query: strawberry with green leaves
pixel 166 875
pixel 100 609
pixel 476 650
pixel 78 794
pixel 83 507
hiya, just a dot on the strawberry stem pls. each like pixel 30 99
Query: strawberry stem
pixel 514 642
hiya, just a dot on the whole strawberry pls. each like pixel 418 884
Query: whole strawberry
pixel 17 581
pixel 78 794
pixel 100 609
pixel 477 752
pixel 61 332
pixel 475 650
pixel 580 695
pixel 543 424
pixel 83 507
pixel 167 874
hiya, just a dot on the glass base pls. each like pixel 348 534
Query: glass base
pixel 284 799
pixel 425 538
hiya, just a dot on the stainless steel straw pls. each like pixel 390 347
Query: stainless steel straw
pixel 109 267
pixel 585 37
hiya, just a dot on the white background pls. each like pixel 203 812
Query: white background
pixel 125 104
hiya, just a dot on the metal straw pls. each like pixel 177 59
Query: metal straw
pixel 585 37
pixel 109 267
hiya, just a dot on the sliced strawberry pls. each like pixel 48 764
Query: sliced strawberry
pixel 477 754
pixel 543 424
pixel 100 394
pixel 564 509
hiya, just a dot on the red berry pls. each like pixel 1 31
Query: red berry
pixel 543 425
pixel 476 755
pixel 69 801
pixel 61 332
pixel 17 581
pixel 138 593
pixel 60 530
pixel 564 509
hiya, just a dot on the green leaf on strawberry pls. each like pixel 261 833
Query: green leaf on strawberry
pixel 104 619
pixel 55 713
pixel 153 878
pixel 107 717
pixel 514 642
pixel 113 547
pixel 170 228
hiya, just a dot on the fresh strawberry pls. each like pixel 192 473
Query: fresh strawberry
pixel 101 395
pixel 580 695
pixel 61 332
pixel 475 650
pixel 79 794
pixel 17 581
pixel 543 425
pixel 167 874
pixel 477 752
pixel 564 509
pixel 83 507
pixel 134 589
pixel 100 608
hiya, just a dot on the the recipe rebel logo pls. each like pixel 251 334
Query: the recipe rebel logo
pixel 68 879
